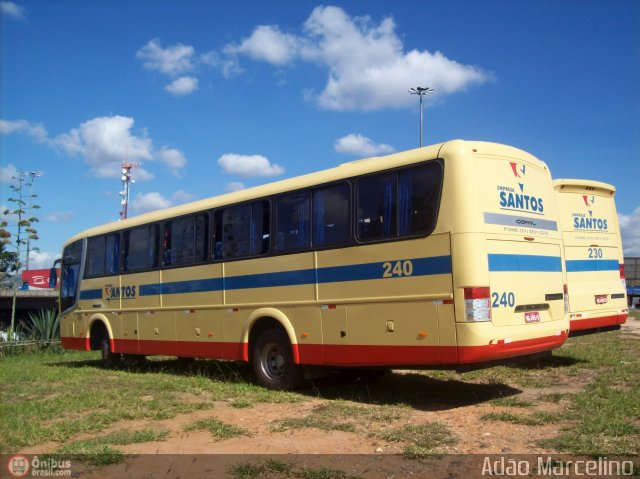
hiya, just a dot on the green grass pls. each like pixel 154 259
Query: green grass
pixel 537 418
pixel 218 429
pixel 98 451
pixel 63 397
pixel 276 469
pixel 55 397
pixel 340 415
pixel 419 440
pixel 511 402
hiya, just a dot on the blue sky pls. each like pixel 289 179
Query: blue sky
pixel 213 96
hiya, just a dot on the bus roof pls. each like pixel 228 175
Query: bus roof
pixel 584 184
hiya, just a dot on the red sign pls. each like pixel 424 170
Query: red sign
pixel 38 278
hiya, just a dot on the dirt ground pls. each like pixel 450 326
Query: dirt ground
pixel 474 436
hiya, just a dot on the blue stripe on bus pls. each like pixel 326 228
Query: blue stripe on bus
pixel 357 272
pixel 91 294
pixel 585 265
pixel 522 262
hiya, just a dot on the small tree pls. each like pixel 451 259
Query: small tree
pixel 8 259
pixel 19 218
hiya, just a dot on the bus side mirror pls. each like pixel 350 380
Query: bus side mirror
pixel 53 278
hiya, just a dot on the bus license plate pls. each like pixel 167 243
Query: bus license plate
pixel 601 299
pixel 532 317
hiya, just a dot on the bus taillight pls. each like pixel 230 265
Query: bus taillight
pixel 477 304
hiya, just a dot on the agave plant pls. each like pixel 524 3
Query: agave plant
pixel 43 326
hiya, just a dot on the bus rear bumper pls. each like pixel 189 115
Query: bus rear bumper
pixel 508 342
pixel 611 318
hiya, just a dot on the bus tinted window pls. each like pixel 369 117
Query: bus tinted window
pixel 242 231
pixel 376 207
pixel 184 240
pixel 396 204
pixel 293 225
pixel 70 274
pixel 103 255
pixel 418 196
pixel 331 215
pixel 140 248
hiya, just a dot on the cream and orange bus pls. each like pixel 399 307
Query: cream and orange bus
pixel 593 254
pixel 441 256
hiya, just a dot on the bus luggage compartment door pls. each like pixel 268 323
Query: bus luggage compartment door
pixel 525 281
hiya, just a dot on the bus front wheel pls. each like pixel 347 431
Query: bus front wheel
pixel 273 362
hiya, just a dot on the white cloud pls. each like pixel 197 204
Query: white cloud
pixel 173 60
pixel 144 202
pixel 228 64
pixel 234 186
pixel 106 142
pixel 368 67
pixel 630 232
pixel 356 144
pixel 37 132
pixel 248 166
pixel 7 173
pixel 182 86
pixel 59 216
pixel 42 259
pixel 269 44
pixel 173 158
pixel 11 10
pixel 181 196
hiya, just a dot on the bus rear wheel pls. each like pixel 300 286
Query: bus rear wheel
pixel 273 362
pixel 108 359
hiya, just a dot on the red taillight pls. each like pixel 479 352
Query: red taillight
pixel 477 293
pixel 621 271
pixel 477 304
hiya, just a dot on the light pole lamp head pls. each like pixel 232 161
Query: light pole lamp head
pixel 421 90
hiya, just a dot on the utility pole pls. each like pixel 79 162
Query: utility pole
pixel 421 91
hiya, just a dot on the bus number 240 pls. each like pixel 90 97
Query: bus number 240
pixel 506 299
pixel 397 269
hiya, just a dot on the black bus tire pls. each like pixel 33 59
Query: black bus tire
pixel 273 363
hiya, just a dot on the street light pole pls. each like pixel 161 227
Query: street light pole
pixel 421 91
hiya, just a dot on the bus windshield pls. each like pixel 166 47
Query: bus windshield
pixel 69 274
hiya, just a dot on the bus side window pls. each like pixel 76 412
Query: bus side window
pixel 331 215
pixel 418 195
pixel 242 231
pixel 166 244
pixel 140 248
pixel 95 257
pixel 185 240
pixel 376 201
pixel 235 231
pixel 293 222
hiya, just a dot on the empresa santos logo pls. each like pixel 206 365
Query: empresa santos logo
pixel 516 198
pixel 587 221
